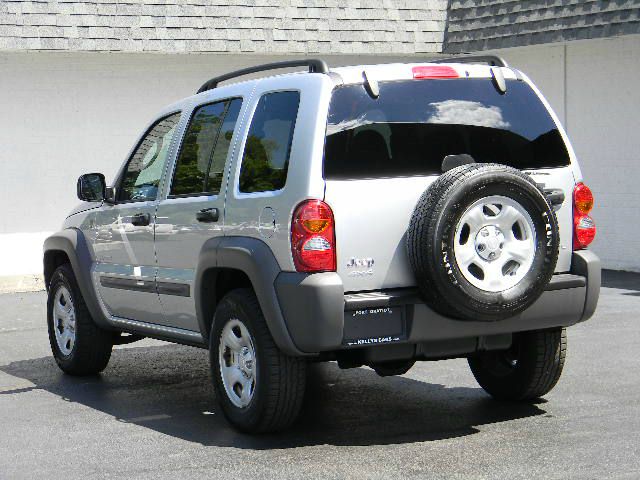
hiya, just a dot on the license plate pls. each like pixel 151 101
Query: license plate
pixel 374 326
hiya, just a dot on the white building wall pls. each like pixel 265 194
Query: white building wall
pixel 593 86
pixel 64 114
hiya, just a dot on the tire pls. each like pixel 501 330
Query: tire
pixel 447 232
pixel 528 370
pixel 86 349
pixel 274 382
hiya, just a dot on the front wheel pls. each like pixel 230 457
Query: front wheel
pixel 526 371
pixel 79 346
pixel 259 388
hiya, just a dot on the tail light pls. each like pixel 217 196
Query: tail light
pixel 313 240
pixel 584 228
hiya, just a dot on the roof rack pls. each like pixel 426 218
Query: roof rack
pixel 491 60
pixel 315 66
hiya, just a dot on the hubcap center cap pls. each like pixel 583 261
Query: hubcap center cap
pixel 245 361
pixel 489 242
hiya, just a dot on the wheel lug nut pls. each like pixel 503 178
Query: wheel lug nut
pixel 481 247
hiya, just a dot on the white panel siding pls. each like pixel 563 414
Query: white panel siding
pixel 603 114
pixel 594 90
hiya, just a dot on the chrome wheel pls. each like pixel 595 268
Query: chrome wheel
pixel 494 244
pixel 237 360
pixel 64 320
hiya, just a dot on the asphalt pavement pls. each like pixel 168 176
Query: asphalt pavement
pixel 152 414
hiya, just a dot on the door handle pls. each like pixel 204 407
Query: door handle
pixel 208 215
pixel 141 219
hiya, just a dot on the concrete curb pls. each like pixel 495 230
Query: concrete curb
pixel 21 283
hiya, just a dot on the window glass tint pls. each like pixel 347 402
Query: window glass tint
pixel 200 138
pixel 144 170
pixel 266 152
pixel 414 124
pixel 219 159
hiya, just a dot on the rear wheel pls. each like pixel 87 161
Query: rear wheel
pixel 259 388
pixel 79 346
pixel 526 371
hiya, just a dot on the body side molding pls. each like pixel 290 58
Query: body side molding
pixel 161 332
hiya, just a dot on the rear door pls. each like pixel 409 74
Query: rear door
pixel 382 154
pixel 193 211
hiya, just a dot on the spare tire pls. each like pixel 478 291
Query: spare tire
pixel 483 242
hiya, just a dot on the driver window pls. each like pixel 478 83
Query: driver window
pixel 144 170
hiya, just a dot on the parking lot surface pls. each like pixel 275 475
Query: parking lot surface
pixel 151 414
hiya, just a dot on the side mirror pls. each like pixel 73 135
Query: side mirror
pixel 91 187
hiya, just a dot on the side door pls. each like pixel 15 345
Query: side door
pixel 193 210
pixel 123 234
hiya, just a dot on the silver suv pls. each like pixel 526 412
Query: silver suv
pixel 370 215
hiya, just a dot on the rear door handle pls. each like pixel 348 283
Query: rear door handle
pixel 141 219
pixel 208 215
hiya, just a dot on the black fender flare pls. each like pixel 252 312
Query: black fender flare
pixel 73 244
pixel 253 257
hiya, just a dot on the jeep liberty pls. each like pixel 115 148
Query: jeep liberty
pixel 371 215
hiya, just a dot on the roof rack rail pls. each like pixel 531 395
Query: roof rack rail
pixel 315 66
pixel 491 60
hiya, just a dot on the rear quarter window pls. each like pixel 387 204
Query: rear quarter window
pixel 265 161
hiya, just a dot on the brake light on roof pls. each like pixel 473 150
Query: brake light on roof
pixel 584 228
pixel 433 71
pixel 313 241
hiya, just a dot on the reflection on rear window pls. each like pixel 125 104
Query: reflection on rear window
pixel 414 124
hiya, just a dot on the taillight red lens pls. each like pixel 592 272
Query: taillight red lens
pixel 434 71
pixel 582 198
pixel 584 231
pixel 313 242
pixel 584 228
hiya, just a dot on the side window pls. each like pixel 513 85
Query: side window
pixel 144 170
pixel 266 153
pixel 204 141
pixel 216 171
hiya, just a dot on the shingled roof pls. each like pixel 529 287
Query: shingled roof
pixel 307 26
pixel 489 24
pixel 256 26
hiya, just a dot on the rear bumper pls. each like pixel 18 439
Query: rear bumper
pixel 321 318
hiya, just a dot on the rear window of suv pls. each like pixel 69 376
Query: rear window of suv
pixel 415 124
